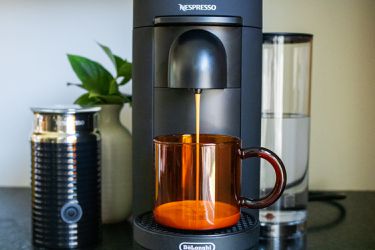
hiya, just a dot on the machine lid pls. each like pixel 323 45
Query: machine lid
pixel 145 11
pixel 65 109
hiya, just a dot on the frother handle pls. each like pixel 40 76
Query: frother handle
pixel 280 172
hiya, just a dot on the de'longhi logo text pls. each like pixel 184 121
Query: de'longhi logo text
pixel 197 246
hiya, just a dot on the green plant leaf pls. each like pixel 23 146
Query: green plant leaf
pixel 113 88
pixel 127 98
pixel 112 99
pixel 76 84
pixel 125 70
pixel 102 87
pixel 123 67
pixel 92 98
pixel 109 53
pixel 108 99
pixel 119 61
pixel 94 76
pixel 85 100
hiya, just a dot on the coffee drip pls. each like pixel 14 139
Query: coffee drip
pixel 197 96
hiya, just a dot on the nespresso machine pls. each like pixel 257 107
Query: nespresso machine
pixel 181 47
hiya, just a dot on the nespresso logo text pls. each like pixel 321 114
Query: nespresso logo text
pixel 191 7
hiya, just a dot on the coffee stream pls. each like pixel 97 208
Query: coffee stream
pixel 197 155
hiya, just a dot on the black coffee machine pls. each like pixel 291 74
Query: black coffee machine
pixel 179 48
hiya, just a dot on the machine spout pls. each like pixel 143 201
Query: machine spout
pixel 197 60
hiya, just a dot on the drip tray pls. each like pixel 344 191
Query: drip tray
pixel 242 236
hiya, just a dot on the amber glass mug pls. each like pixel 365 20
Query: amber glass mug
pixel 198 185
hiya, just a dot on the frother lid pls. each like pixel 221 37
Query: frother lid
pixel 65 109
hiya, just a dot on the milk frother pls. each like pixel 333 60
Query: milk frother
pixel 65 177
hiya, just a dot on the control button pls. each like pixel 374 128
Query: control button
pixel 71 213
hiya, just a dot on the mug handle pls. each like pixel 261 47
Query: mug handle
pixel 278 167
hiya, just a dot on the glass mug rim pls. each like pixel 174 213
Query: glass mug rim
pixel 205 139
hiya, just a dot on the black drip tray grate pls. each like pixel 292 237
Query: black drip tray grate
pixel 146 221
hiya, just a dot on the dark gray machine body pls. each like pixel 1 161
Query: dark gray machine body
pixel 171 41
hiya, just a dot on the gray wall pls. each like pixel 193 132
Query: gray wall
pixel 36 35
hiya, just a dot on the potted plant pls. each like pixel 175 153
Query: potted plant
pixel 103 89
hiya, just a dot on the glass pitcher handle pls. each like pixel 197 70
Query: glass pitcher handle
pixel 278 167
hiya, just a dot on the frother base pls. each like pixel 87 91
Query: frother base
pixel 150 235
